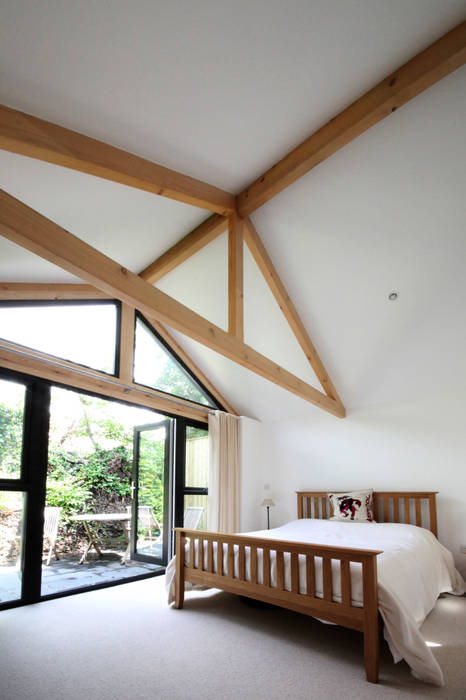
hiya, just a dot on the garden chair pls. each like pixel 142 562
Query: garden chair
pixel 192 517
pixel 51 518
pixel 147 521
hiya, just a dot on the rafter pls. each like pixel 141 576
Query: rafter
pixel 438 60
pixel 26 227
pixel 17 291
pixel 277 288
pixel 235 277
pixel 22 133
pixel 57 370
pixel 193 242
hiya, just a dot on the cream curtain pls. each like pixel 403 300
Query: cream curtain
pixel 223 500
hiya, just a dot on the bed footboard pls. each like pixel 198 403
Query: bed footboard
pixel 257 568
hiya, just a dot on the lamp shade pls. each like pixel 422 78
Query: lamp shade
pixel 268 502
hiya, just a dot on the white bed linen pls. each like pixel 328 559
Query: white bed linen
pixel 413 570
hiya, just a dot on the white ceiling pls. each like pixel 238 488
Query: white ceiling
pixel 220 90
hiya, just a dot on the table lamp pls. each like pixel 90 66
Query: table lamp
pixel 268 503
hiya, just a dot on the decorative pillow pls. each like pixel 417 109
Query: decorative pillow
pixel 355 506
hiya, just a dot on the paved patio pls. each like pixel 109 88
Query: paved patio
pixel 66 574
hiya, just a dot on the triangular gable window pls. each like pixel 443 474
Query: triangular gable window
pixel 157 367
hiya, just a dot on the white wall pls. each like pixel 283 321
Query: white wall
pixel 411 446
pixel 251 478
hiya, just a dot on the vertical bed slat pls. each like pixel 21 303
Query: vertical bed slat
pixel 280 571
pixel 327 577
pixel 191 552
pixel 266 566
pixel 210 556
pixel 294 573
pixel 300 505
pixel 241 563
pixel 231 560
pixel 316 506
pixel 417 502
pixel 219 558
pixel 432 514
pixel 308 511
pixel 323 504
pixel 253 557
pixel 385 509
pixel 375 505
pixel 406 510
pixel 345 582
pixel 396 509
pixel 310 575
pixel 200 554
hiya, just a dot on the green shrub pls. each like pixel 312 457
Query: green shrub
pixel 67 493
pixel 107 470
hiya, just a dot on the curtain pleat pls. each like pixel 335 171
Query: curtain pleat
pixel 223 499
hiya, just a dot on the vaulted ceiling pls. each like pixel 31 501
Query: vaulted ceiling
pixel 220 91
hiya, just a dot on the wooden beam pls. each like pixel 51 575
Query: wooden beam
pixel 62 372
pixel 198 373
pixel 25 134
pixel 17 291
pixel 277 288
pixel 438 60
pixel 29 229
pixel 127 343
pixel 201 236
pixel 235 277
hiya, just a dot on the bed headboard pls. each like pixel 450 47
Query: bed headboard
pixel 410 507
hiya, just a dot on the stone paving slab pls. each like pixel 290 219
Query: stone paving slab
pixel 66 574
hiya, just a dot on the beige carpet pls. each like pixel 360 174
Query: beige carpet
pixel 124 643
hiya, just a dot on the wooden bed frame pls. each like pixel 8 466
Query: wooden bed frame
pixel 390 506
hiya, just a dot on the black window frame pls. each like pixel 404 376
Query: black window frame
pixel 181 490
pixel 33 482
pixel 28 303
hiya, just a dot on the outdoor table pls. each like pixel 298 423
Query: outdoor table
pixel 99 518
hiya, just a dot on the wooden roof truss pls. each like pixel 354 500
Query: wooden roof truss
pixel 27 135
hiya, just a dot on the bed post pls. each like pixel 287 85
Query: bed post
pixel 371 622
pixel 179 570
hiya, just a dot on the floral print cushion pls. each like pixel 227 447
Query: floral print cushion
pixel 355 506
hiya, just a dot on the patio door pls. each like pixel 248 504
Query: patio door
pixel 150 516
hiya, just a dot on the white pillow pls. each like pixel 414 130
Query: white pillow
pixel 352 506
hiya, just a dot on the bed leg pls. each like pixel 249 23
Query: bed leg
pixel 371 620
pixel 371 655
pixel 179 570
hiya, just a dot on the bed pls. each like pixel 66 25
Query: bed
pixel 329 570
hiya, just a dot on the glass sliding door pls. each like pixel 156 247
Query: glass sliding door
pixel 87 512
pixel 196 477
pixel 90 488
pixel 151 492
pixel 192 475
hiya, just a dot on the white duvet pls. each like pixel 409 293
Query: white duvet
pixel 413 569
